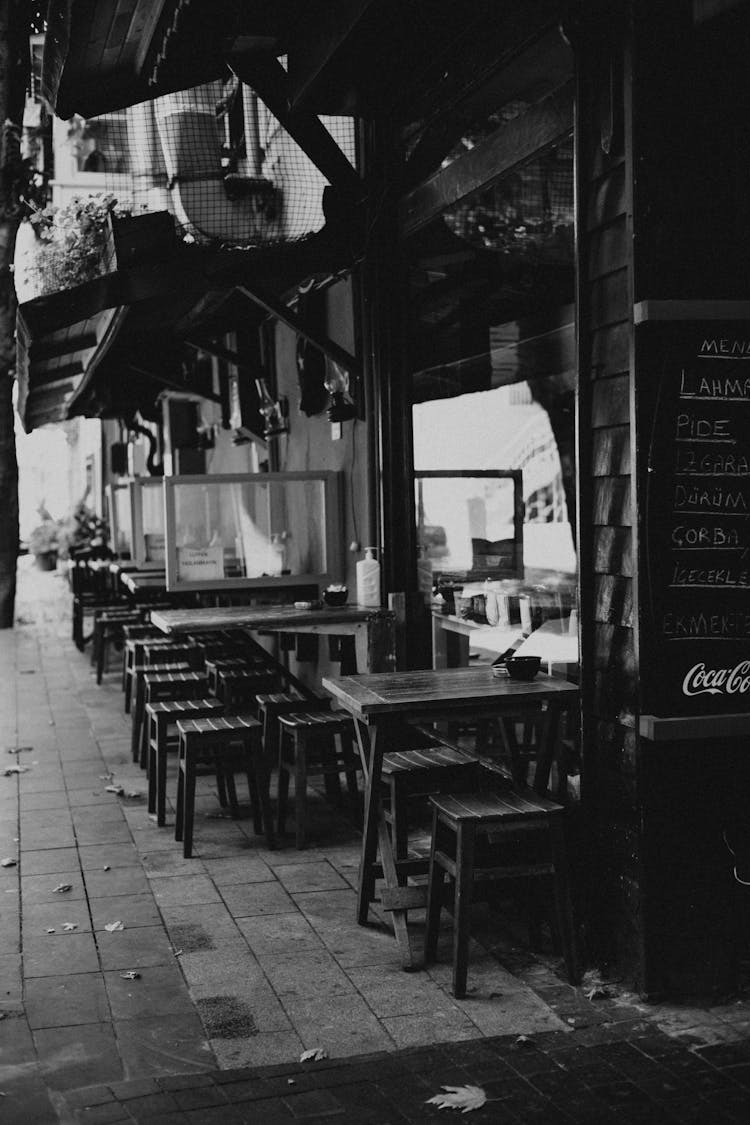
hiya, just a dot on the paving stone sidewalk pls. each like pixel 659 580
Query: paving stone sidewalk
pixel 136 985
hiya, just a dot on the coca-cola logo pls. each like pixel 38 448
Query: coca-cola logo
pixel 700 680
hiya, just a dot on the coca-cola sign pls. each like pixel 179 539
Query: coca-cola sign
pixel 700 680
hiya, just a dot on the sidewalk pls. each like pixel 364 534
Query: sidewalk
pixel 227 966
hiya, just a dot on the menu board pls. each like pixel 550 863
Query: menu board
pixel 693 404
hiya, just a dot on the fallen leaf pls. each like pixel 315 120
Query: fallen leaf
pixel 597 994
pixel 177 952
pixel 134 795
pixel 68 926
pixel 112 926
pixel 61 888
pixel 106 776
pixel 118 789
pixel 106 867
pixel 523 1041
pixel 131 974
pixel 9 862
pixel 16 769
pixel 465 1098
pixel 50 931
pixel 20 749
pixel 315 1054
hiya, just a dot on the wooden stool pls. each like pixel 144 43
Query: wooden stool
pixel 163 687
pixel 317 731
pixel 237 689
pixel 216 665
pixel 109 626
pixel 160 717
pixel 473 838
pixel 419 773
pixel 139 695
pixel 229 744
pixel 140 632
pixel 134 658
pixel 272 705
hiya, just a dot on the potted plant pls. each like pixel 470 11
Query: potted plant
pixel 84 534
pixel 43 543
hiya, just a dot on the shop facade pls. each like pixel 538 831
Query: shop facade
pixel 529 294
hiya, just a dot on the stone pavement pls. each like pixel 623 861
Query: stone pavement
pixel 136 985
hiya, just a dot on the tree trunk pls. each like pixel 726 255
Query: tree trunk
pixel 14 62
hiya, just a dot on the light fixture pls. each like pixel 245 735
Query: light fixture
pixel 274 411
pixel 340 405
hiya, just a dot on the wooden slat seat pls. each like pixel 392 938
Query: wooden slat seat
pixel 407 774
pixel 161 736
pixel 167 686
pixel 272 705
pixel 139 672
pixel 237 688
pixel 475 836
pixel 315 742
pixel 229 743
pixel 133 657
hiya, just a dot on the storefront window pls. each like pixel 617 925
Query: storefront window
pixel 493 391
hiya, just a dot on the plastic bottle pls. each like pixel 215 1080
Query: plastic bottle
pixel 368 579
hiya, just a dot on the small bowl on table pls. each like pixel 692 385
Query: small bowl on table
pixel 523 667
pixel 335 595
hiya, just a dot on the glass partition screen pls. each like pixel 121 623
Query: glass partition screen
pixel 147 503
pixel 120 520
pixel 261 530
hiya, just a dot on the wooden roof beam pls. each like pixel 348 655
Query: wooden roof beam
pixel 283 313
pixel 266 76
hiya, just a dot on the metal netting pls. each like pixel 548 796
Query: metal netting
pixel 214 157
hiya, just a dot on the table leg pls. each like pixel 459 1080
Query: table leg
pixel 376 835
pixel 372 760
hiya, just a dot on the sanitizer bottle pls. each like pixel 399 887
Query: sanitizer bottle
pixel 368 579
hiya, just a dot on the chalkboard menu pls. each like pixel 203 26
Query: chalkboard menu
pixel 693 406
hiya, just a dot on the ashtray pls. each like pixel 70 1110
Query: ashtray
pixel 523 667
pixel 336 595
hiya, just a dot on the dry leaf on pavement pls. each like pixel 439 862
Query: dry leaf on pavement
pixel 464 1098
pixel 112 926
pixel 61 888
pixel 315 1054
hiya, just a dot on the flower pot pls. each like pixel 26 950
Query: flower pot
pixel 46 561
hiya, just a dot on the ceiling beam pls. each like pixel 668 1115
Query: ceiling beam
pixel 171 385
pixel 54 375
pixel 283 313
pixel 219 352
pixel 540 127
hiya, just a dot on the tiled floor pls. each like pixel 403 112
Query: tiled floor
pixel 123 961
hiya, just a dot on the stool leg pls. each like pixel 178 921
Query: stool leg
pixel 434 897
pixel 563 900
pixel 399 817
pixel 330 767
pixel 128 687
pixel 100 650
pixel 189 806
pixel 151 736
pixel 300 788
pixel 143 745
pixel 283 785
pixel 263 782
pixel 161 774
pixel 347 753
pixel 465 836
pixel 135 733
pixel 180 807
pixel 228 774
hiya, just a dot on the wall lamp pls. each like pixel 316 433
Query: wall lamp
pixel 340 405
pixel 275 412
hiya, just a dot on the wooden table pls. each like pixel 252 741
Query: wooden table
pixel 380 703
pixel 373 629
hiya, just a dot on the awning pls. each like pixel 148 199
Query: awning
pixel 112 345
